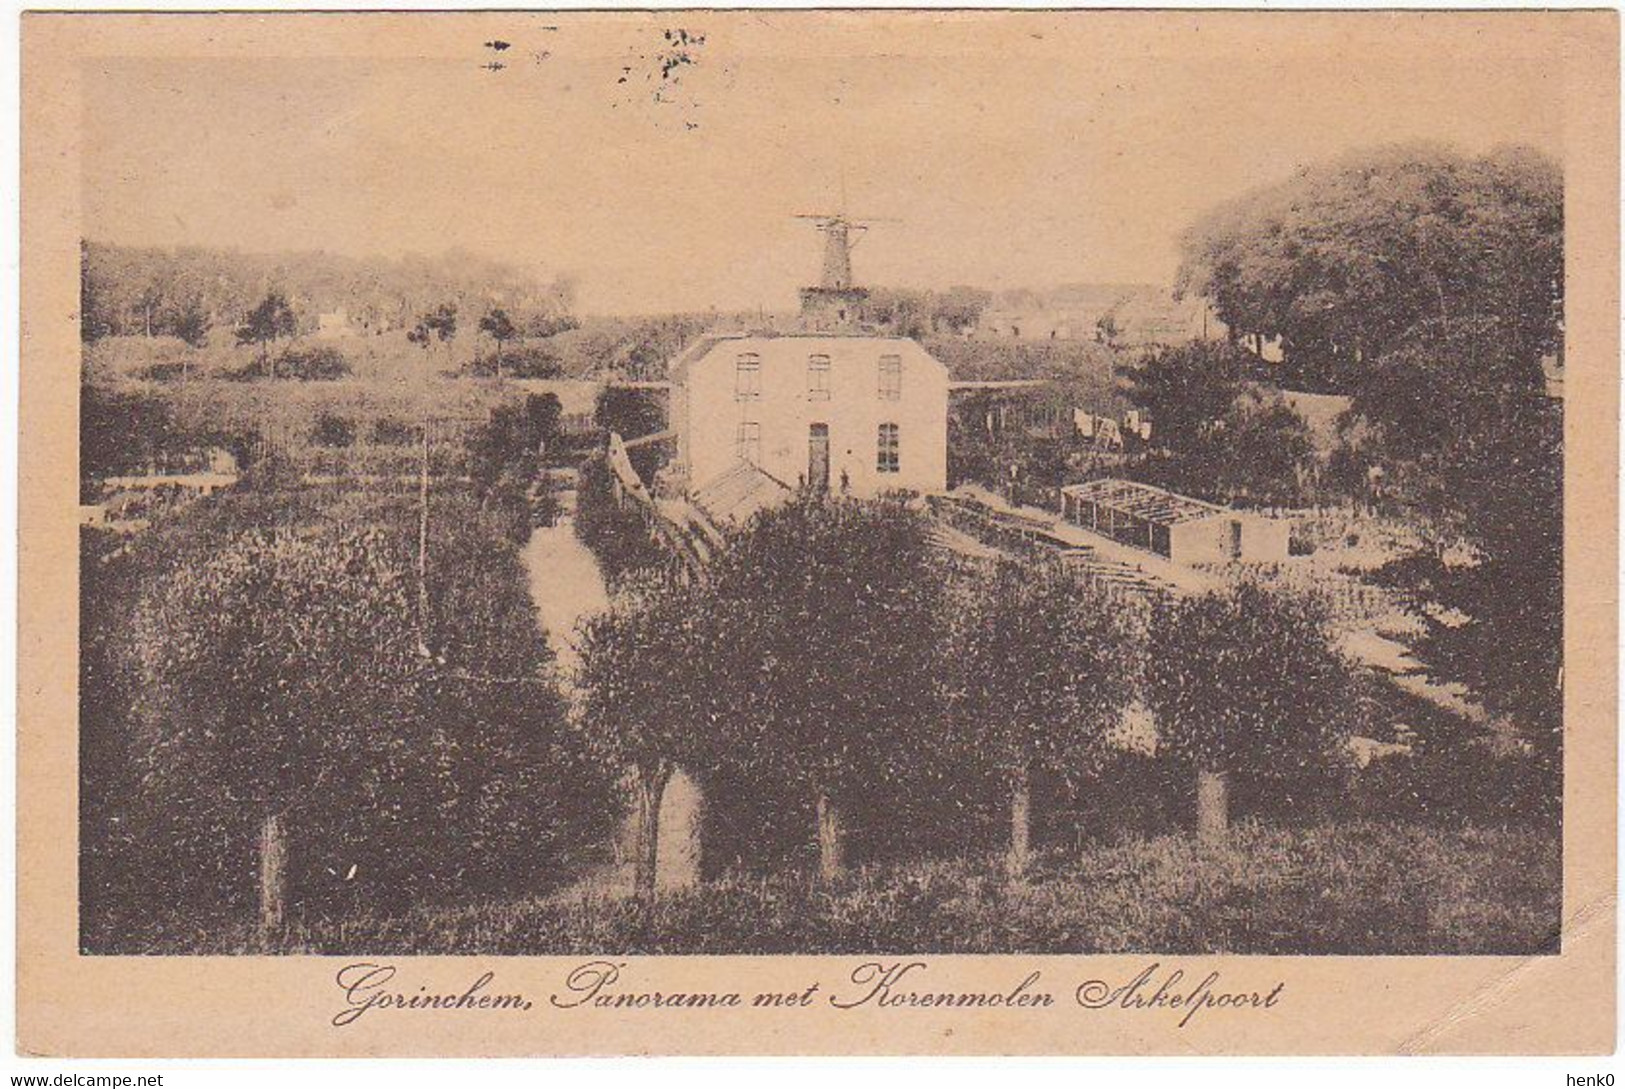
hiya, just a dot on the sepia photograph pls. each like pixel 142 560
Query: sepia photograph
pixel 619 486
pixel 800 549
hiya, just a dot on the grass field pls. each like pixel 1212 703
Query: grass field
pixel 1365 888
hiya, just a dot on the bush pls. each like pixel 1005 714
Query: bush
pixel 334 431
pixel 321 363
pixel 316 363
pixel 524 361
pixel 387 431
pixel 616 535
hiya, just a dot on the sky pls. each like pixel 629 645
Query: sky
pixel 1026 152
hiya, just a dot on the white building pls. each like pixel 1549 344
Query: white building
pixel 334 325
pixel 863 414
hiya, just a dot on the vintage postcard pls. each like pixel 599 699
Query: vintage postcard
pixel 818 532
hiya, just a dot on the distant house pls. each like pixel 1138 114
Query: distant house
pixel 1177 527
pixel 1127 315
pixel 854 413
pixel 334 325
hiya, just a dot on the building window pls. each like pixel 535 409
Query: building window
pixel 891 377
pixel 748 377
pixel 818 378
pixel 887 460
pixel 748 442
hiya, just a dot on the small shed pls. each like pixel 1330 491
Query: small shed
pixel 1185 530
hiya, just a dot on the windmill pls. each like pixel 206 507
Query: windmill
pixel 836 301
pixel 838 229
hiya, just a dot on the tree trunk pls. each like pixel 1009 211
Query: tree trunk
pixel 1021 801
pixel 1212 805
pixel 273 876
pixel 649 791
pixel 831 863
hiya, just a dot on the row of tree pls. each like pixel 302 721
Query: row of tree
pixel 133 291
pixel 830 652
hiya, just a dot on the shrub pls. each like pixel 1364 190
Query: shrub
pixel 524 361
pixel 616 535
pixel 331 430
pixel 320 363
pixel 316 363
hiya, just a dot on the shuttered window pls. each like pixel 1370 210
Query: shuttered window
pixel 748 377
pixel 818 378
pixel 891 377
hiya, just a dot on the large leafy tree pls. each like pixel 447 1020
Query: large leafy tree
pixel 263 682
pixel 1214 432
pixel 280 693
pixel 1461 424
pixel 1342 261
pixel 1187 390
pixel 1042 670
pixel 507 453
pixel 1245 681
pixel 838 606
pixel 655 674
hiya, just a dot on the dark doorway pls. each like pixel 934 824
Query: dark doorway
pixel 818 457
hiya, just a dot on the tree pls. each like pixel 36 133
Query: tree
pixel 263 680
pixel 1266 454
pixel 1447 383
pixel 958 309
pixel 1215 433
pixel 1345 259
pixel 904 312
pixel 95 318
pixel 632 414
pixel 270 321
pixel 837 607
pixel 1042 673
pixel 1107 331
pixel 1245 681
pixel 499 327
pixel 438 325
pixel 507 453
pixel 1460 422
pixel 1187 390
pixel 280 704
pixel 650 670
pixel 192 324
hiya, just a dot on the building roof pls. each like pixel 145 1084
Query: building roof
pixel 738 492
pixel 1143 501
pixel 677 370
